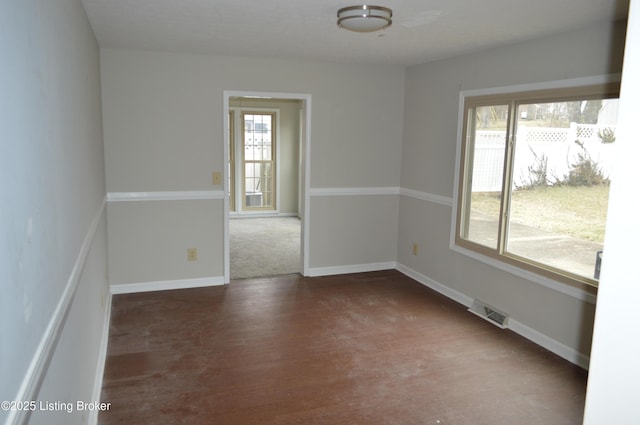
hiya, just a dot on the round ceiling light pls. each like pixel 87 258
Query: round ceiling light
pixel 364 18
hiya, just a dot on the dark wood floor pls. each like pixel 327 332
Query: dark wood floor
pixel 371 348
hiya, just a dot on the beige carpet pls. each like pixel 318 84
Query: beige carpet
pixel 264 246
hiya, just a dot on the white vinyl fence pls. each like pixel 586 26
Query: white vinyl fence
pixel 558 145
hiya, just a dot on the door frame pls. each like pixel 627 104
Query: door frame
pixel 305 147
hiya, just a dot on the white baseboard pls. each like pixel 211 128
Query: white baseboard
pixel 128 288
pixel 550 344
pixel 521 329
pixel 245 214
pixel 102 359
pixel 436 286
pixel 355 268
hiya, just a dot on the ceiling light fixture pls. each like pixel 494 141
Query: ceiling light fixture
pixel 364 18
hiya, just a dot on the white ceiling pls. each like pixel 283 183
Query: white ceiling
pixel 422 30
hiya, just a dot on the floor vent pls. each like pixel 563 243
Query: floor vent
pixel 489 314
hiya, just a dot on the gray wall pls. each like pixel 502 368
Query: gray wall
pixel 163 118
pixel 372 127
pixel 52 215
pixel 429 158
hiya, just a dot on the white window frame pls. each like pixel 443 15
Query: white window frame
pixel 238 146
pixel 570 287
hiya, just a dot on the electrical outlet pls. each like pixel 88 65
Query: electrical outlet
pixel 192 254
pixel 414 249
pixel 216 178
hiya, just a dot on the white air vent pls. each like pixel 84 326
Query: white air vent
pixel 489 314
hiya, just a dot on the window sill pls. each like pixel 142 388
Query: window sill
pixel 588 295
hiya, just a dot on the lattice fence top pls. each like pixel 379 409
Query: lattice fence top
pixel 585 132
pixel 588 132
pixel 490 137
pixel 556 144
pixel 534 135
pixel 542 135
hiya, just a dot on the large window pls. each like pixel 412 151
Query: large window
pixel 534 179
pixel 258 139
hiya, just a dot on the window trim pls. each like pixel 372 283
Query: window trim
pixel 232 160
pixel 274 160
pixel 237 145
pixel 552 91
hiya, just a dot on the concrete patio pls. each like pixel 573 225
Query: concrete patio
pixel 561 251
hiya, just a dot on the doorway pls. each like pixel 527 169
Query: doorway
pixel 266 193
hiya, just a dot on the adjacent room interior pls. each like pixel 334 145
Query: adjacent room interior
pixel 265 187
pixel 122 179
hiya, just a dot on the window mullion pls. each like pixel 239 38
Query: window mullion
pixel 503 226
pixel 468 166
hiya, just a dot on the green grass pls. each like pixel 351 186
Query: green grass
pixel 576 211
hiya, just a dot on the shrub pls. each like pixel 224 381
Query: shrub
pixel 607 135
pixel 585 171
pixel 537 172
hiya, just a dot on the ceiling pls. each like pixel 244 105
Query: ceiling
pixel 422 30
